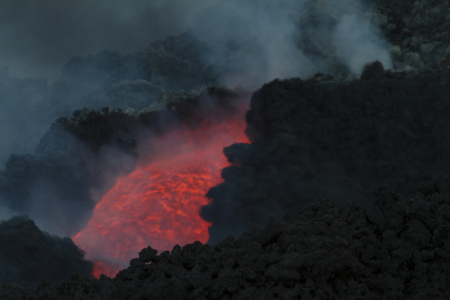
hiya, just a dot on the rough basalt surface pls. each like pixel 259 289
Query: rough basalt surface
pixel 418 31
pixel 311 139
pixel 335 140
pixel 28 255
pixel 75 163
pixel 396 248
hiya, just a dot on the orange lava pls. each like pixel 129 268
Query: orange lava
pixel 158 204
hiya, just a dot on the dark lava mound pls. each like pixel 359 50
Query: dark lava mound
pixel 320 152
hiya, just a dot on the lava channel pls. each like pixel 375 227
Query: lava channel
pixel 158 204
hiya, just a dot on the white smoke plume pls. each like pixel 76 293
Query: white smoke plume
pixel 38 37
pixel 247 42
pixel 251 42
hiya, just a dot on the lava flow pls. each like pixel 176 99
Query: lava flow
pixel 158 204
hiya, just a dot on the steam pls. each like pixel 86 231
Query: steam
pixel 38 37
pixel 245 43
pixel 252 42
pixel 23 114
pixel 358 42
pixel 29 255
pixel 5 212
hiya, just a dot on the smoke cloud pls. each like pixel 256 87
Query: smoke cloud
pixel 29 255
pixel 245 42
pixel 246 39
pixel 23 114
pixel 75 163
pixel 358 40
pixel 38 37
pixel 252 42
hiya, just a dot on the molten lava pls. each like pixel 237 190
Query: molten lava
pixel 158 204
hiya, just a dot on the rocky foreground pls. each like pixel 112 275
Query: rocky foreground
pixel 396 248
pixel 315 138
pixel 385 243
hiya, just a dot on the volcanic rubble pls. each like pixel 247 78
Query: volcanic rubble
pixel 398 248
pixel 332 139
pixel 319 147
pixel 84 153
pixel 345 174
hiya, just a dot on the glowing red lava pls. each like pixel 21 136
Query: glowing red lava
pixel 158 204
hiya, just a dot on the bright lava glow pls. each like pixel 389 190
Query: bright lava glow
pixel 158 204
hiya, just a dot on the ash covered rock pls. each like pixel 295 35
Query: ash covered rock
pixel 332 139
pixel 28 255
pixel 396 247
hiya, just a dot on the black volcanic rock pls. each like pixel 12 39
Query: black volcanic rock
pixel 332 139
pixel 30 256
pixel 395 248
pixel 373 71
pixel 80 158
pixel 418 31
pixel 311 139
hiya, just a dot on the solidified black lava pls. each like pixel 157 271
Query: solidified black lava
pixel 29 255
pixel 312 139
pixel 335 140
pixel 395 248
pixel 320 148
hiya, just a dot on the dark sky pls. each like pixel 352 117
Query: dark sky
pixel 38 36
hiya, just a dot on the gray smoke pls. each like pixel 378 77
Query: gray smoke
pixel 252 42
pixel 76 161
pixel 244 42
pixel 23 114
pixel 29 255
pixel 59 56
pixel 38 37
pixel 357 39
